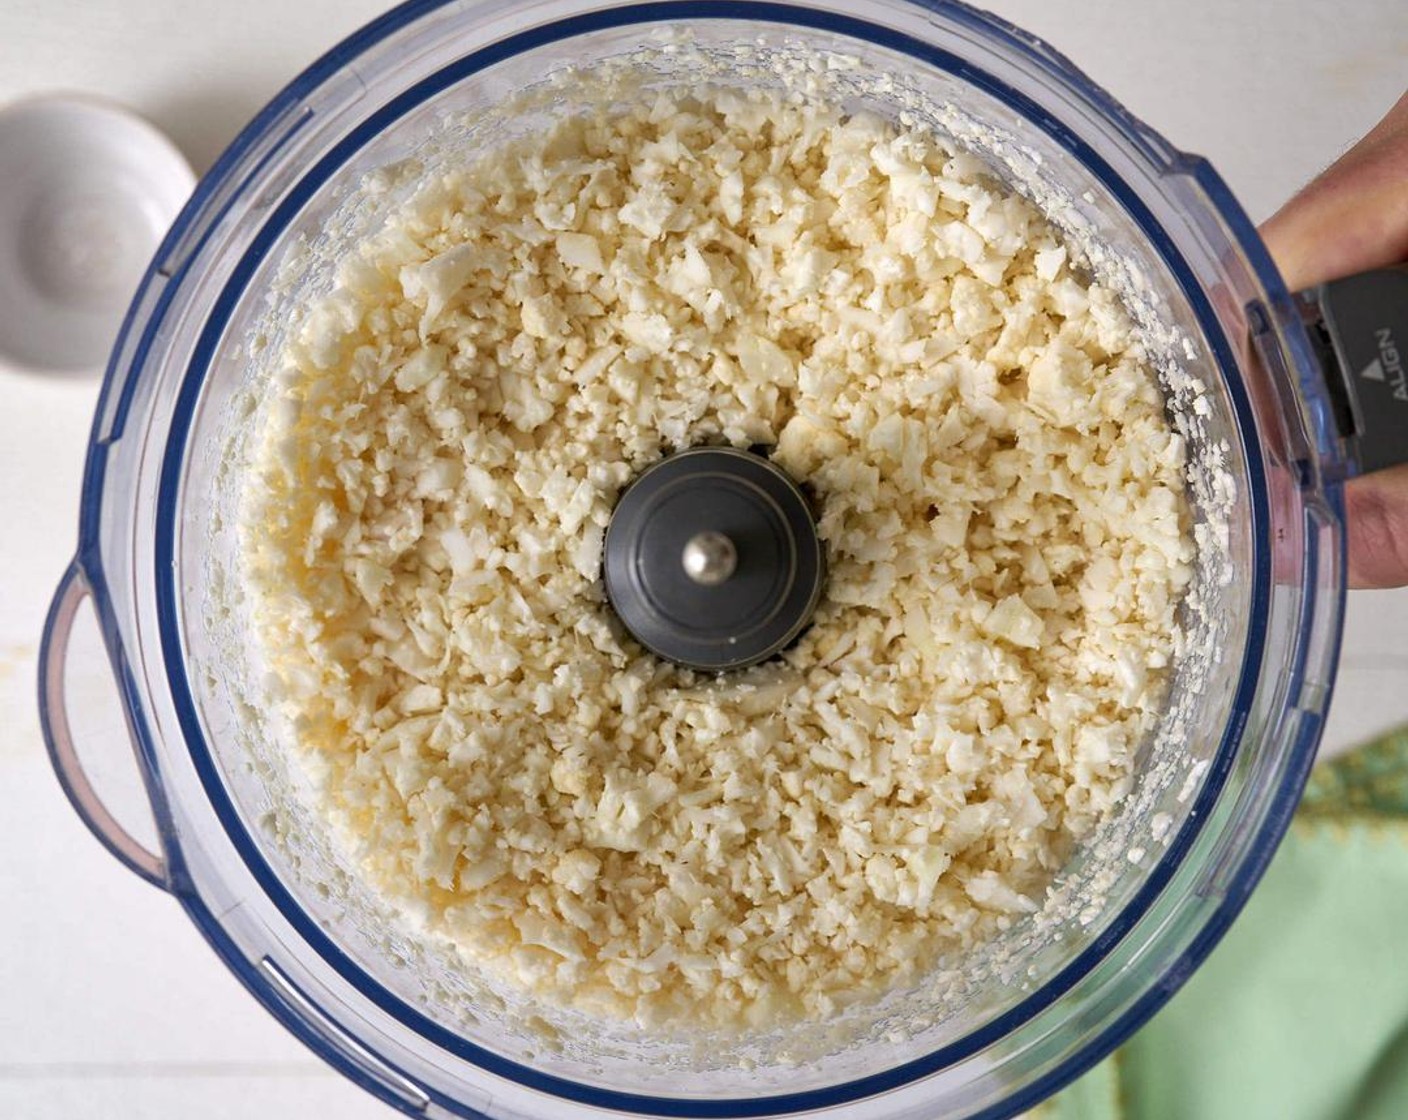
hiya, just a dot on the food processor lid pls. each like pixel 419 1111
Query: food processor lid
pixel 712 559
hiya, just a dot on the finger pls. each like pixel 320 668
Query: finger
pixel 1376 513
pixel 1354 216
pixel 1394 124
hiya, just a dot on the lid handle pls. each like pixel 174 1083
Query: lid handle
pixel 53 717
pixel 1359 327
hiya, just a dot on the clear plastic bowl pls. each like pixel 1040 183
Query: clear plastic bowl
pixel 1130 918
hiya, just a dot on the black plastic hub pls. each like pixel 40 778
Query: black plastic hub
pixel 712 559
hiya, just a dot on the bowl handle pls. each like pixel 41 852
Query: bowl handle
pixel 53 717
pixel 1359 328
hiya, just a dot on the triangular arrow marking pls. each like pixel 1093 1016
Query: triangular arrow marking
pixel 1374 371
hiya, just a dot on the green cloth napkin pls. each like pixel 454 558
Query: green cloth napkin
pixel 1301 1013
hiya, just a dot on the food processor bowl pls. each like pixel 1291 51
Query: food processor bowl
pixel 242 847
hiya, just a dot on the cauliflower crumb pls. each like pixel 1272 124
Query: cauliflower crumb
pixel 999 494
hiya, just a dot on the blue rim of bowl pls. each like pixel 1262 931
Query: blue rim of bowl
pixel 1160 988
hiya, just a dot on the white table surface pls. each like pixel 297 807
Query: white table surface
pixel 110 1004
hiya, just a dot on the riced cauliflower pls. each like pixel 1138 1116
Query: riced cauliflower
pixel 1001 501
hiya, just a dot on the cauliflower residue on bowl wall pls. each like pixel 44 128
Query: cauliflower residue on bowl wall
pixel 1002 505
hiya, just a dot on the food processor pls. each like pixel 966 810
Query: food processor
pixel 1279 397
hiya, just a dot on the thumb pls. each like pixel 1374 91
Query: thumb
pixel 1354 216
pixel 1376 512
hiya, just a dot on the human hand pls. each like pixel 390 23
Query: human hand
pixel 1354 217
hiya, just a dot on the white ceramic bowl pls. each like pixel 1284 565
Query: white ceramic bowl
pixel 87 192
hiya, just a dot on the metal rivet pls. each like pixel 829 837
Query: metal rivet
pixel 709 558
